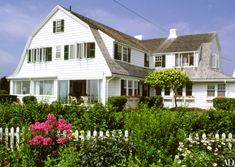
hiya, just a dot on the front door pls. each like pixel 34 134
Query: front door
pixel 78 88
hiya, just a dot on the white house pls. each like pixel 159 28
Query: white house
pixel 70 54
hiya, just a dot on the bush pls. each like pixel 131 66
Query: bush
pixel 3 92
pixel 8 98
pixel 152 101
pixel 29 99
pixel 106 152
pixel 222 103
pixel 118 102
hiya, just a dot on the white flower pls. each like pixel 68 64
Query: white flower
pixel 216 149
pixel 215 164
pixel 179 161
pixel 216 136
pixel 209 148
pixel 176 157
pixel 230 146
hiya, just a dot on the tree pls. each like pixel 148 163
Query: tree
pixel 4 84
pixel 168 78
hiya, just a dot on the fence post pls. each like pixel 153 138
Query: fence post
pixel 1 134
pixel 6 136
pixel 17 134
pixel 12 138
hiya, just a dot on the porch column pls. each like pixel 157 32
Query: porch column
pixel 103 91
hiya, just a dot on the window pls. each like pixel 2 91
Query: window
pixel 58 52
pixel 39 55
pixel 123 87
pixel 122 53
pixel 184 59
pixel 48 54
pixel 136 88
pixel 167 91
pixel 90 53
pixel 21 87
pixel 44 87
pixel 189 89
pixel 71 52
pixel 158 91
pixel 66 52
pixel 58 26
pixel 160 61
pixel 210 90
pixel 146 60
pixel 130 87
pixel 221 90
pixel 179 91
pixel 214 62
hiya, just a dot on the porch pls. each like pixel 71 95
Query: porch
pixel 88 91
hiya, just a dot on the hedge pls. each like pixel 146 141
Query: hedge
pixel 8 98
pixel 222 103
pixel 117 102
pixel 29 99
pixel 152 101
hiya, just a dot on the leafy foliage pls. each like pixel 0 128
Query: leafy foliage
pixel 222 103
pixel 117 102
pixel 168 78
pixel 152 101
pixel 29 99
pixel 4 98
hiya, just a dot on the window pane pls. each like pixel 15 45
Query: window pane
pixel 177 60
pixel 136 86
pixel 210 90
pixel 123 87
pixel 48 54
pixel 130 88
pixel 79 51
pixel 17 87
pixel 25 87
pixel 185 59
pixel 191 59
pixel 125 54
pixel 91 50
pixel 158 61
pixel 72 52
pixel 58 52
pixel 221 90
pixel 48 87
pixel 189 89
pixel 179 91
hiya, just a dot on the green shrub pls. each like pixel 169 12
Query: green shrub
pixel 118 102
pixel 8 98
pixel 152 101
pixel 29 99
pixel 106 152
pixel 222 103
pixel 3 92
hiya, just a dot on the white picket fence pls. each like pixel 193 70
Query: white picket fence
pixel 11 136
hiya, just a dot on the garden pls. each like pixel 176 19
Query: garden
pixel 157 136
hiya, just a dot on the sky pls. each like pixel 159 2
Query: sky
pixel 154 18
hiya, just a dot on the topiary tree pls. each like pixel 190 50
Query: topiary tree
pixel 168 78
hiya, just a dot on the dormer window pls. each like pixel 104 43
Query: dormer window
pixel 58 26
pixel 160 61
pixel 184 59
pixel 214 60
pixel 122 53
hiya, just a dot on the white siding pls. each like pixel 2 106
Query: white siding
pixel 114 87
pixel 170 61
pixel 74 32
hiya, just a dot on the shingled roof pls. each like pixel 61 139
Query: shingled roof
pixel 179 44
pixel 117 35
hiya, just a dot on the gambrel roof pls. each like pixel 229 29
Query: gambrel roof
pixel 178 44
pixel 117 35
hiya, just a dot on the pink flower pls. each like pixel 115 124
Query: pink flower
pixel 63 126
pixel 36 140
pixel 47 141
pixel 62 140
